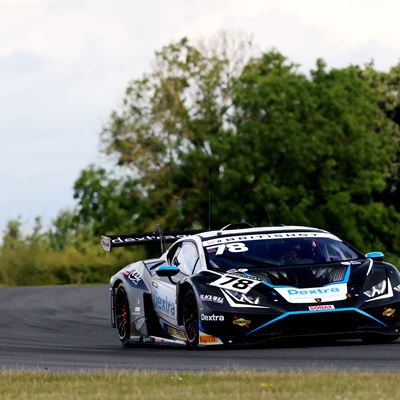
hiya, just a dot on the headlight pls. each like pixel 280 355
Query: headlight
pixel 377 290
pixel 244 298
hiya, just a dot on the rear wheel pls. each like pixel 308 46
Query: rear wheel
pixel 122 315
pixel 191 319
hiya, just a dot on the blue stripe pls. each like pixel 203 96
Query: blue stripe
pixel 347 276
pixel 314 312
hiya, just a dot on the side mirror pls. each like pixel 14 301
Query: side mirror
pixel 375 255
pixel 167 270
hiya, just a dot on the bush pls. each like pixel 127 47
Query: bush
pixel 25 264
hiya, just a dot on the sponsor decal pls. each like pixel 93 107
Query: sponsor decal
pixel 312 291
pixel 241 322
pixel 266 236
pixel 242 269
pixel 148 339
pixel 162 303
pixel 174 332
pixel 397 288
pixel 212 317
pixel 389 312
pixel 210 298
pixel 321 307
pixel 136 338
pixel 135 276
pixel 332 292
pixel 119 240
pixel 245 276
pixel 236 282
pixel 208 339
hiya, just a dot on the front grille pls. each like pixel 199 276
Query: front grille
pixel 320 323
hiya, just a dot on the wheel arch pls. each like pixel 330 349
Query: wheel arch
pixel 113 288
pixel 183 289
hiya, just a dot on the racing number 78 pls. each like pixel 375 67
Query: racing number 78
pixel 237 283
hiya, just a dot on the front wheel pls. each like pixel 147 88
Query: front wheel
pixel 122 315
pixel 191 319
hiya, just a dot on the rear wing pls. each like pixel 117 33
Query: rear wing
pixel 134 239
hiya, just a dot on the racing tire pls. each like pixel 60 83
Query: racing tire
pixel 190 316
pixel 122 315
pixel 379 339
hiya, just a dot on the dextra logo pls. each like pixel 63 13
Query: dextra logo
pixel 307 292
pixel 162 303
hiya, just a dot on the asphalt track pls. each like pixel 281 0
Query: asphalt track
pixel 66 328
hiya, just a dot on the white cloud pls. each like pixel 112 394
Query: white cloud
pixel 64 65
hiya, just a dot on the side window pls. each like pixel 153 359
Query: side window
pixel 173 253
pixel 188 258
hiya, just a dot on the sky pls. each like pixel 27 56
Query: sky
pixel 64 66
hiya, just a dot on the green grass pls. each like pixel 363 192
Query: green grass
pixel 195 386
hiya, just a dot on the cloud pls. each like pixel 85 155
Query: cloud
pixel 64 65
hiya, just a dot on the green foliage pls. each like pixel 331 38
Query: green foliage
pixel 66 254
pixel 28 264
pixel 315 151
pixel 172 127
pixel 106 203
pixel 63 230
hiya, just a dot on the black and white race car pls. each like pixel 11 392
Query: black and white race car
pixel 243 285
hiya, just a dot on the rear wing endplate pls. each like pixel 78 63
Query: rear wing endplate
pixel 111 241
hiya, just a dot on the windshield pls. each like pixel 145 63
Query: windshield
pixel 271 250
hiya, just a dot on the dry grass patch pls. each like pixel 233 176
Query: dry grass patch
pixel 241 385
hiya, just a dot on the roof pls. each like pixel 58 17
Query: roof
pixel 265 229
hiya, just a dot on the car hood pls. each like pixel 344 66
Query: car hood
pixel 303 276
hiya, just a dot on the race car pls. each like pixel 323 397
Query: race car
pixel 246 285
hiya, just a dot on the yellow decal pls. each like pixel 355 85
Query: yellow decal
pixel 388 312
pixel 242 322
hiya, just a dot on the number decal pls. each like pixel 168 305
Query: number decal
pixel 237 283
pixel 231 247
pixel 242 283
pixel 231 279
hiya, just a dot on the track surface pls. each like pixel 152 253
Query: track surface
pixel 67 328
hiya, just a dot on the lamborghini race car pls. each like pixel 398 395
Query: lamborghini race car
pixel 244 285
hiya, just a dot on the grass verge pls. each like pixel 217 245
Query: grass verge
pixel 211 385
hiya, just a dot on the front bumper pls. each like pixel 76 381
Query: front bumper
pixel 338 322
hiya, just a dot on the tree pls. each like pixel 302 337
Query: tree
pixel 387 88
pixel 105 203
pixel 264 140
pixel 12 235
pixel 173 125
pixel 314 150
pixel 64 230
